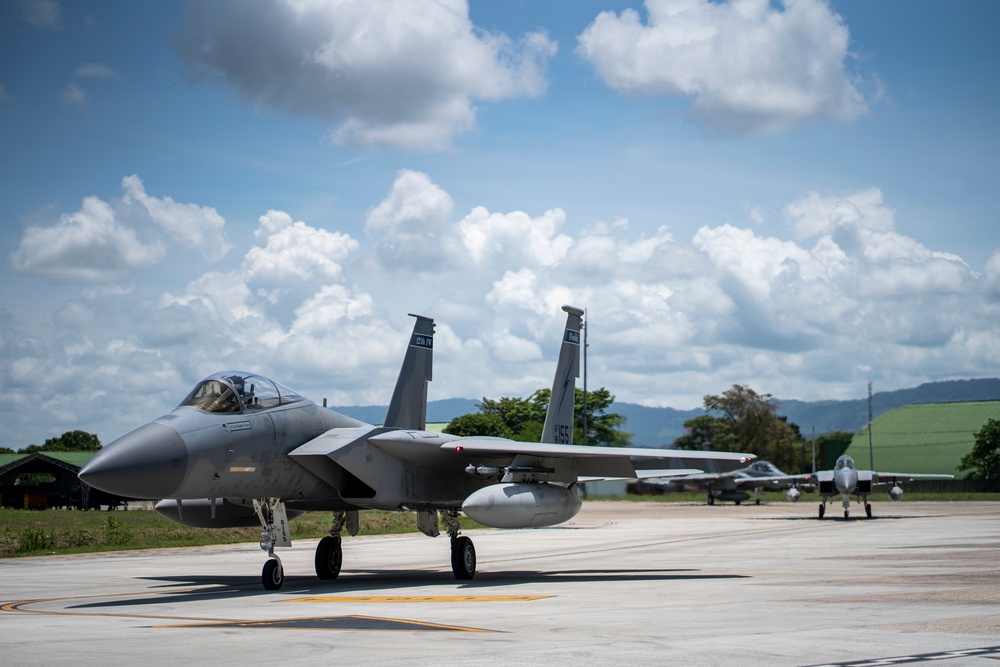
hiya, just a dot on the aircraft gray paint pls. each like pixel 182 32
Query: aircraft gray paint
pixel 845 479
pixel 241 447
pixel 731 486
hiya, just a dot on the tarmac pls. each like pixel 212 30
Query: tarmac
pixel 622 583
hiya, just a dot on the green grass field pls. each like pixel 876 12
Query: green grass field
pixel 57 531
pixel 40 532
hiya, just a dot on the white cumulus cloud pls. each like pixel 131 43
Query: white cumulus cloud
pixel 198 227
pixel 401 73
pixel 746 66
pixel 90 244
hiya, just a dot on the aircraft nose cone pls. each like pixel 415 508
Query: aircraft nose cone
pixel 150 462
pixel 846 480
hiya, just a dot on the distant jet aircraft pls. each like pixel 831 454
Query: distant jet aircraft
pixel 845 479
pixel 732 486
pixel 242 446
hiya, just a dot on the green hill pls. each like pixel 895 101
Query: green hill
pixel 924 437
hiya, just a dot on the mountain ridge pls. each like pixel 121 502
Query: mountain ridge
pixel 659 427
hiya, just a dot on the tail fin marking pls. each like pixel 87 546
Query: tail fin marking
pixel 408 407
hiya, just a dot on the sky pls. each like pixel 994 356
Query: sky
pixel 798 196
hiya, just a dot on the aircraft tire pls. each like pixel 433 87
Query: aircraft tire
pixel 868 510
pixel 329 557
pixel 463 558
pixel 273 575
pixel 847 515
pixel 822 510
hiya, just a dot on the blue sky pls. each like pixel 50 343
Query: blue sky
pixel 797 196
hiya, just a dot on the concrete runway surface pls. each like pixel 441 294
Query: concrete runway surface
pixel 623 583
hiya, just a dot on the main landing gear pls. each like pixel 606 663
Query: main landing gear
pixel 847 508
pixel 463 552
pixel 330 553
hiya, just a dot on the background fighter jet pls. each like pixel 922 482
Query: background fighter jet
pixel 242 446
pixel 732 486
pixel 845 480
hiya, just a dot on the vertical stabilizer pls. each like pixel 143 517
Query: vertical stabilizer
pixel 408 408
pixel 558 427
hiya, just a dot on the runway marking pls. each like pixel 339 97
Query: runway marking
pixel 923 657
pixel 309 623
pixel 419 598
pixel 337 623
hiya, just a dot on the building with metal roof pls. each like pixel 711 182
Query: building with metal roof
pixel 48 479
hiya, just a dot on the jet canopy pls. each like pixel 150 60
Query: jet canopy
pixel 844 462
pixel 236 391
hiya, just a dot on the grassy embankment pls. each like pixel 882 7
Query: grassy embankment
pixel 40 532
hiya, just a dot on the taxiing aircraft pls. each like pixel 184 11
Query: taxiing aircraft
pixel 845 479
pixel 242 446
pixel 732 486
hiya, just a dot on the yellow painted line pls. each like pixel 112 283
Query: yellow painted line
pixel 419 598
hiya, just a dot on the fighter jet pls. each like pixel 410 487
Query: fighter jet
pixel 845 480
pixel 731 486
pixel 241 447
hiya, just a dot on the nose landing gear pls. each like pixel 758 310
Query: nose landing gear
pixel 274 533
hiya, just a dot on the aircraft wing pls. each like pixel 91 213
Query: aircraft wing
pixel 706 480
pixel 894 477
pixel 586 461
pixel 772 481
pixel 644 474
pixel 498 447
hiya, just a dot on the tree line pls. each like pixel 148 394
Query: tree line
pixel 70 441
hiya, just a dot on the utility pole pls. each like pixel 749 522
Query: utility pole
pixel 585 327
pixel 871 450
pixel 814 450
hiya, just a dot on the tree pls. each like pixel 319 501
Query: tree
pixel 746 421
pixel 984 459
pixel 477 423
pixel 525 417
pixel 70 441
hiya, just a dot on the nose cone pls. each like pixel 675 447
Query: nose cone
pixel 149 462
pixel 846 480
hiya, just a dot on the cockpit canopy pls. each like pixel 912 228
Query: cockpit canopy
pixel 236 392
pixel 844 462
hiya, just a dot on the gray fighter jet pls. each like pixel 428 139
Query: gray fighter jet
pixel 732 486
pixel 845 479
pixel 241 447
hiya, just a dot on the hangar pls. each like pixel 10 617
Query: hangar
pixel 48 479
pixel 924 437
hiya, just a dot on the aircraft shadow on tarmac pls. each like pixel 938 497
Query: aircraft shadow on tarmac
pixel 837 519
pixel 375 581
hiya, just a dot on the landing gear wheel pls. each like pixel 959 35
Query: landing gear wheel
pixel 847 514
pixel 868 510
pixel 329 557
pixel 463 558
pixel 822 510
pixel 711 499
pixel 273 575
